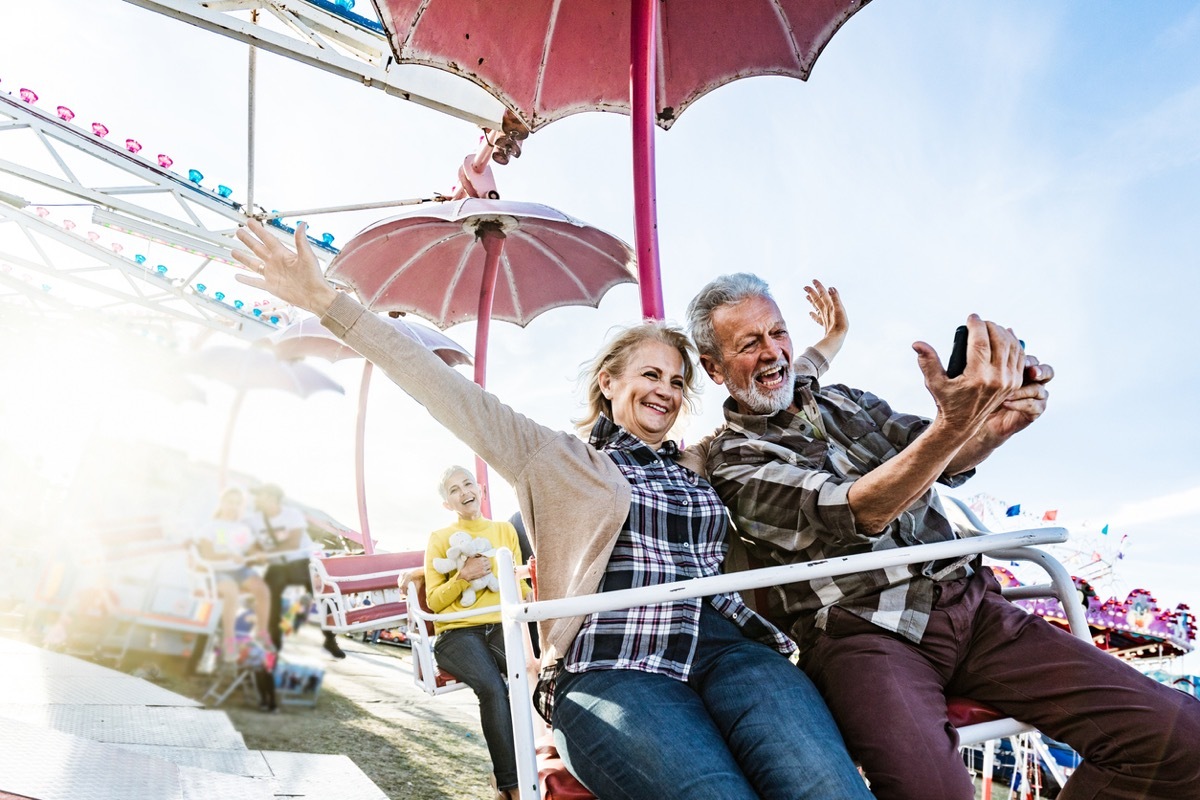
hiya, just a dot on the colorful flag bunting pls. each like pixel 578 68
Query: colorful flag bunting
pixel 1104 530
pixel 1050 516
pixel 1012 511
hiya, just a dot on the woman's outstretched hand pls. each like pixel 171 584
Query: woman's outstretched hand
pixel 293 277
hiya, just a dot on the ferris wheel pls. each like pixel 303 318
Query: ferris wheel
pixel 1092 552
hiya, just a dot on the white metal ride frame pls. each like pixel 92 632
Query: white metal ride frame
pixel 329 37
pixel 1013 545
pixel 201 222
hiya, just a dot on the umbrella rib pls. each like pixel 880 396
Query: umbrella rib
pixel 416 20
pixel 788 32
pixel 395 276
pixel 511 280
pixel 660 66
pixel 459 269
pixel 550 28
pixel 545 249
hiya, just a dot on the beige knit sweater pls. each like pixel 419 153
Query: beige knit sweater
pixel 573 498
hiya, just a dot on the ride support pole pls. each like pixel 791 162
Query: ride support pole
pixel 493 247
pixel 643 46
pixel 360 438
pixel 989 759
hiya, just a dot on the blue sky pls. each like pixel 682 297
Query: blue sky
pixel 1036 163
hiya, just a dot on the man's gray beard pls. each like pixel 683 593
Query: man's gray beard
pixel 766 403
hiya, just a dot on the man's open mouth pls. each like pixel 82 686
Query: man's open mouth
pixel 772 379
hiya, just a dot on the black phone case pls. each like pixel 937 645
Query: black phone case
pixel 958 356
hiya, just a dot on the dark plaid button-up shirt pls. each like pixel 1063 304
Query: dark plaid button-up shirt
pixel 677 529
pixel 786 483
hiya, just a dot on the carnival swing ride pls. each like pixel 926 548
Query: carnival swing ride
pixel 100 228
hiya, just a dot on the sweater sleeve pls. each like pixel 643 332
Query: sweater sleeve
pixel 441 590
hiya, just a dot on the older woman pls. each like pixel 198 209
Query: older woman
pixel 691 698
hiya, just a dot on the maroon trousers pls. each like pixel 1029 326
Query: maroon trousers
pixel 1139 739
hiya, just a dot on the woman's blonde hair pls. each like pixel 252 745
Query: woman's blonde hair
pixel 613 359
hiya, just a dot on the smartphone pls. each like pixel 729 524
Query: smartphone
pixel 958 356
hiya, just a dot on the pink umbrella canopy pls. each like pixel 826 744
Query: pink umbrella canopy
pixel 430 261
pixel 246 368
pixel 309 337
pixel 476 259
pixel 546 59
pixel 253 368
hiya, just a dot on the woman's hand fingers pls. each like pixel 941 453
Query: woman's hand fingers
pixel 255 238
pixel 247 260
pixel 257 283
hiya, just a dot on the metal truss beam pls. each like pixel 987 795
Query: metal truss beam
pixel 203 225
pixel 339 43
pixel 141 288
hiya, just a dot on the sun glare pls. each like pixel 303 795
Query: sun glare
pixel 69 385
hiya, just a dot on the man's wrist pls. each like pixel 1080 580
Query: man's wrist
pixel 945 435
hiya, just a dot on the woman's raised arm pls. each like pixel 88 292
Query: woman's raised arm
pixel 505 439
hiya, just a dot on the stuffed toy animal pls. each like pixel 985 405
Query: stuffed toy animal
pixel 463 546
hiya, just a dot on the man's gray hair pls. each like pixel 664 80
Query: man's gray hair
pixel 454 470
pixel 722 291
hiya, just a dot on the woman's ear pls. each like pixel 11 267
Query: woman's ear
pixel 605 383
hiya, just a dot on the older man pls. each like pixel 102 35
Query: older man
pixel 811 473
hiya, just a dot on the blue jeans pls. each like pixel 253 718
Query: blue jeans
pixel 475 656
pixel 747 724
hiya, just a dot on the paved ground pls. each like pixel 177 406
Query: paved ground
pixel 413 746
pixel 378 678
pixel 369 716
pixel 71 729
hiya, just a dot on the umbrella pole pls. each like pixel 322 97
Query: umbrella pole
pixel 227 444
pixel 360 437
pixel 493 248
pixel 643 45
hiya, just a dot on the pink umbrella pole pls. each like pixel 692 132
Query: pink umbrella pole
pixel 643 45
pixel 360 437
pixel 493 248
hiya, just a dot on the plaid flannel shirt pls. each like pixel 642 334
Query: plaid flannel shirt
pixel 786 485
pixel 677 529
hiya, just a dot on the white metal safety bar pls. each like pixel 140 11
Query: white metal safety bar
pixel 515 613
pixel 788 573
pixel 1061 584
pixel 321 36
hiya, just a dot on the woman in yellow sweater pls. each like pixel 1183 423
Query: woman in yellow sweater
pixel 472 649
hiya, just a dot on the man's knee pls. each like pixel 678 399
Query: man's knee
pixel 1180 742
